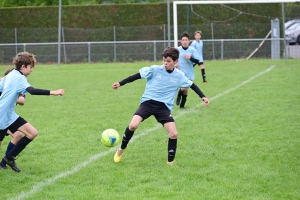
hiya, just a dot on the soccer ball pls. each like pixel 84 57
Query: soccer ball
pixel 110 137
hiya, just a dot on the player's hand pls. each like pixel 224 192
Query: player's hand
pixel 60 92
pixel 206 101
pixel 115 85
pixel 187 56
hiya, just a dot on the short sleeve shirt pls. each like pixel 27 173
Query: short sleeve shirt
pixel 199 48
pixel 161 85
pixel 186 65
pixel 11 86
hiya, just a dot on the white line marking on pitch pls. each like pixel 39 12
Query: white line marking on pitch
pixel 75 169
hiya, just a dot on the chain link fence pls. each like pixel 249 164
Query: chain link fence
pixel 129 44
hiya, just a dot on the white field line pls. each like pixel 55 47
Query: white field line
pixel 39 186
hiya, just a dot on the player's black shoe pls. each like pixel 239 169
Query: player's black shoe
pixel 3 165
pixel 12 164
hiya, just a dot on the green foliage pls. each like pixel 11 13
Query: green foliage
pixel 101 16
pixel 245 145
pixel 21 3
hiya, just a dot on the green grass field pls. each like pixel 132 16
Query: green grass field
pixel 245 145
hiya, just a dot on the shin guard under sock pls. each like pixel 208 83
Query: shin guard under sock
pixel 203 75
pixel 172 146
pixel 183 100
pixel 126 137
pixel 10 146
pixel 18 148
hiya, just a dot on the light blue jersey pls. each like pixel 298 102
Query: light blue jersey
pixel 161 85
pixel 199 48
pixel 11 86
pixel 186 65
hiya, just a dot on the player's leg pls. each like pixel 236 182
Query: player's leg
pixel 172 143
pixel 30 133
pixel 163 115
pixel 179 95
pixel 2 135
pixel 184 97
pixel 15 139
pixel 129 131
pixel 143 112
pixel 202 67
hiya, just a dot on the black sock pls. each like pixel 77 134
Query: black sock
pixel 10 146
pixel 126 137
pixel 18 148
pixel 183 100
pixel 172 146
pixel 180 93
pixel 203 75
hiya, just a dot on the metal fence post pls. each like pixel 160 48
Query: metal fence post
pixel 89 52
pixel 115 45
pixel 154 49
pixel 212 38
pixel 16 40
pixel 63 37
pixel 222 49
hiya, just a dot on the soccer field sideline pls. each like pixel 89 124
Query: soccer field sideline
pixel 39 186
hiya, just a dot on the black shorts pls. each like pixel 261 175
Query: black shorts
pixel 201 63
pixel 13 127
pixel 158 109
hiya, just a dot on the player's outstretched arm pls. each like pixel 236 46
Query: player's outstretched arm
pixel 126 80
pixel 200 93
pixel 35 91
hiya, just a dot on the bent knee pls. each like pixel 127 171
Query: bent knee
pixel 17 135
pixel 32 134
pixel 173 135
pixel 133 126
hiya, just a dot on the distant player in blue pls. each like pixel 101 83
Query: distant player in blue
pixel 187 57
pixel 158 99
pixel 198 45
pixel 11 86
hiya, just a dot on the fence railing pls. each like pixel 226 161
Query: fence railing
pixel 130 51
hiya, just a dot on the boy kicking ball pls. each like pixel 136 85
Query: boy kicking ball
pixel 158 99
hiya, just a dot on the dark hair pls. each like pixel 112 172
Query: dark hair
pixel 185 34
pixel 171 52
pixel 24 58
pixel 8 70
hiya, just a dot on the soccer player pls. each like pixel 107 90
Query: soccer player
pixel 17 135
pixel 11 86
pixel 198 45
pixel 158 99
pixel 187 57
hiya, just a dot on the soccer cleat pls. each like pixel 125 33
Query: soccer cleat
pixel 205 82
pixel 3 165
pixel 118 155
pixel 172 163
pixel 178 100
pixel 12 164
pixel 182 107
